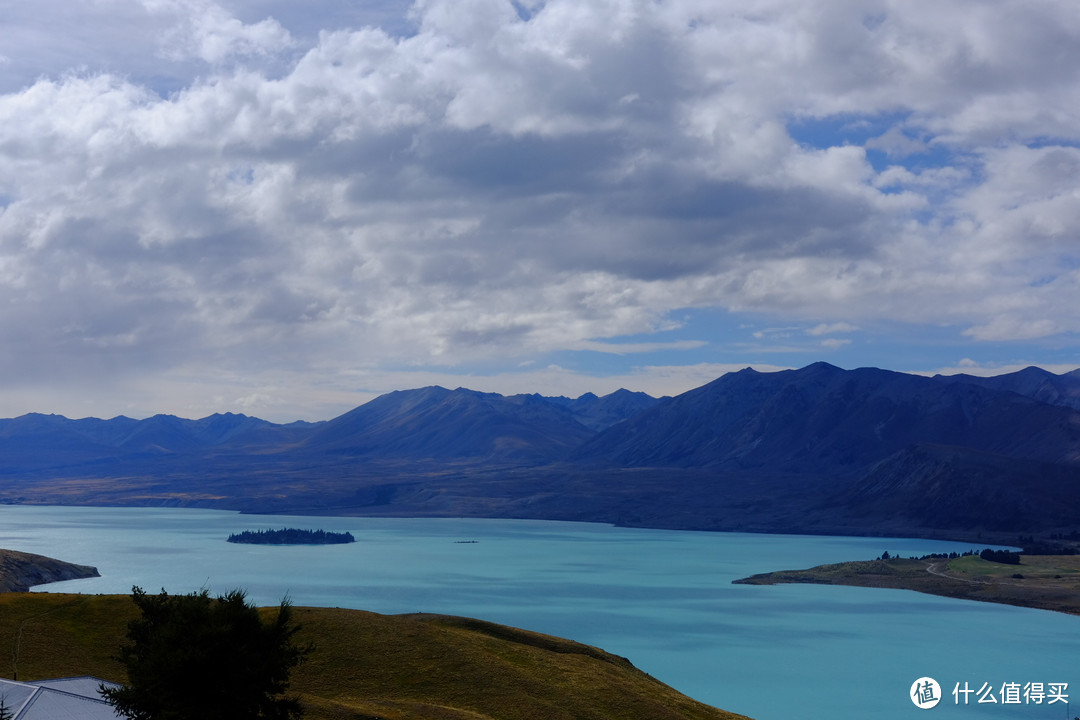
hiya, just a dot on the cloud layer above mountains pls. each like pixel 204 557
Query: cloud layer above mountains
pixel 221 200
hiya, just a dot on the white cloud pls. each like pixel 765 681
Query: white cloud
pixel 775 332
pixel 630 348
pixel 1013 327
pixel 943 178
pixel 206 31
pixel 896 143
pixel 490 187
pixel 832 328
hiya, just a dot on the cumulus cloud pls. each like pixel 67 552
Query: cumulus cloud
pixel 831 328
pixel 627 348
pixel 506 181
pixel 206 31
pixel 1013 327
pixel 896 143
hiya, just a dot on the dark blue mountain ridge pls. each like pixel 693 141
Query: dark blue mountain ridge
pixel 34 441
pixel 823 419
pixel 427 423
pixel 168 433
pixel 600 413
pixel 812 419
pixel 1032 382
pixel 436 423
pixel 864 451
pixel 817 449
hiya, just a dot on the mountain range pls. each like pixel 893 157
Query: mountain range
pixel 818 449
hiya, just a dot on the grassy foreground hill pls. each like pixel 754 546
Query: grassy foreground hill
pixel 366 665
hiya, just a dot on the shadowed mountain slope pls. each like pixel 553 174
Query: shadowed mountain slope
pixel 961 489
pixel 822 419
pixel 863 451
pixel 436 423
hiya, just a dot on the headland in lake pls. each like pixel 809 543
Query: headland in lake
pixel 1046 582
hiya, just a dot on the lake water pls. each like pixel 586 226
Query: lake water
pixel 664 599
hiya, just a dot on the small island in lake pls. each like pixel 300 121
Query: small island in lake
pixel 291 536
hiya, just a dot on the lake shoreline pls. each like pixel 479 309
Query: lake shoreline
pixel 980 537
pixel 19 571
pixel 1043 582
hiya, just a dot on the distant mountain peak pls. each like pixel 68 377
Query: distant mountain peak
pixel 823 367
pixel 226 414
pixel 440 424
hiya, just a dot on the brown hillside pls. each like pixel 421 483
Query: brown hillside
pixel 365 665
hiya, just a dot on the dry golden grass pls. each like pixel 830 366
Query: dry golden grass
pixel 365 665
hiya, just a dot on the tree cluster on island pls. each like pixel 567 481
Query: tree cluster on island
pixel 291 536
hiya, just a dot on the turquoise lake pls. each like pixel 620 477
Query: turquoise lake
pixel 664 599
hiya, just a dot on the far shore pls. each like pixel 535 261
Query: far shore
pixel 1046 582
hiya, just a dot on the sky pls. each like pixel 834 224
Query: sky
pixel 286 209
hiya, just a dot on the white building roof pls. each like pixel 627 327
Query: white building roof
pixel 75 698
